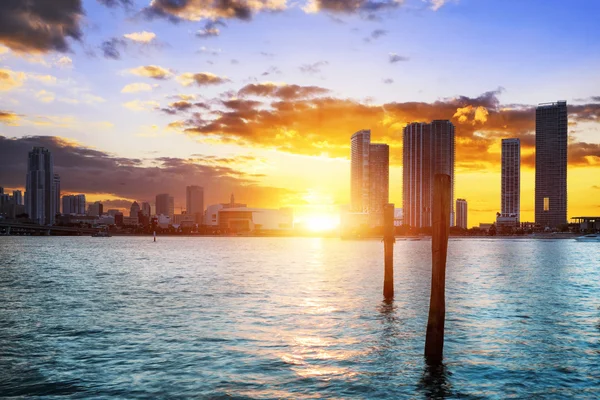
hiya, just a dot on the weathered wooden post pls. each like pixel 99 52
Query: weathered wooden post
pixel 388 248
pixel 434 341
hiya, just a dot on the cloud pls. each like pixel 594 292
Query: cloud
pixel 64 62
pixel 201 79
pixel 10 79
pixel 91 171
pixel 139 105
pixel 196 10
pixel 44 96
pixel 210 29
pixel 110 48
pixel 388 81
pixel 8 118
pixel 350 6
pixel 115 3
pixel 309 121
pixel 140 37
pixel 436 4
pixel 136 87
pixel 376 34
pixel 282 91
pixel 394 58
pixel 40 26
pixel 272 71
pixel 151 71
pixel 313 68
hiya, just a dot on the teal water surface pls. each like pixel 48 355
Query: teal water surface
pixel 268 318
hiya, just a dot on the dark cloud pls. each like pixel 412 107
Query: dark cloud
pixel 376 34
pixel 8 117
pixel 352 6
pixel 585 113
pixel 201 79
pixel 313 68
pixel 116 3
pixel 84 170
pixel 182 105
pixel 111 48
pixel 40 25
pixel 272 71
pixel 388 81
pixel 211 29
pixel 394 58
pixel 285 92
pixel 214 9
pixel 267 54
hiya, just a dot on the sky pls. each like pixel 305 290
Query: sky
pixel 260 97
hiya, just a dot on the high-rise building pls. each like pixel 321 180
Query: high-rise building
pixel 18 197
pixel 40 197
pixel 551 138
pixel 96 209
pixel 162 204
pixel 360 187
pixel 511 180
pixel 171 207
pixel 56 183
pixel 379 180
pixel 428 149
pixel 194 202
pixel 369 176
pixel 73 204
pixel 461 213
pixel 134 209
pixel 146 209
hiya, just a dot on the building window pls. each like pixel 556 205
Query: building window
pixel 546 203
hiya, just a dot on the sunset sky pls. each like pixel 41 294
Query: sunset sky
pixel 260 97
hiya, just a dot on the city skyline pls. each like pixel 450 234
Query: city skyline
pixel 137 103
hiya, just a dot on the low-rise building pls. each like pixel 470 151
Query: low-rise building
pixel 244 219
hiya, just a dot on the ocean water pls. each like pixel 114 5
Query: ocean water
pixel 269 318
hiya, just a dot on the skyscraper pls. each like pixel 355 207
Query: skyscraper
pixel 73 204
pixel 40 195
pixel 18 197
pixel 428 149
pixel 56 183
pixel 511 179
pixel 146 209
pixel 134 209
pixel 162 204
pixel 194 202
pixel 551 137
pixel 359 174
pixel 461 213
pixel 369 176
pixel 379 180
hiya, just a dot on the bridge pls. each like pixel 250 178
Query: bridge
pixel 8 227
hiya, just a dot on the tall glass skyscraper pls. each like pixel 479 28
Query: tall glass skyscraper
pixel 551 138
pixel 40 188
pixel 428 149
pixel 511 179
pixel 359 173
pixel 194 202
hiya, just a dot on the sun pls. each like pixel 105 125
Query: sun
pixel 321 223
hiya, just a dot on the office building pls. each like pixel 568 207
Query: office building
pixel 17 197
pixel 73 204
pixel 510 210
pixel 96 209
pixel 56 183
pixel 369 176
pixel 551 138
pixel 461 213
pixel 146 209
pixel 163 204
pixel 40 196
pixel 134 209
pixel 194 202
pixel 428 149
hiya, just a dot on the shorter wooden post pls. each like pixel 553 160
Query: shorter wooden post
pixel 434 341
pixel 388 248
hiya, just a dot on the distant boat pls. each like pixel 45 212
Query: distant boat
pixel 102 233
pixel 588 238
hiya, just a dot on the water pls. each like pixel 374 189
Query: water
pixel 267 318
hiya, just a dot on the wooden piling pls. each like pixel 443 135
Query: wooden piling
pixel 388 248
pixel 434 341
